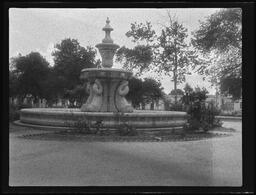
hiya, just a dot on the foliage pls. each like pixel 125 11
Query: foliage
pixel 220 30
pixel 177 92
pixel 231 85
pixel 135 94
pixel 123 128
pixel 137 59
pixel 178 106
pixel 219 38
pixel 141 32
pixel 143 92
pixel 188 89
pixel 167 53
pixel 201 116
pixel 28 75
pixel 70 58
pixel 22 106
pixel 152 90
pixel 51 84
pixel 84 125
pixel 174 55
pixel 140 58
pixel 126 130
pixel 13 84
pixel 13 112
pixel 78 95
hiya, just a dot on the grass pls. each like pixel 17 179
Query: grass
pixel 30 133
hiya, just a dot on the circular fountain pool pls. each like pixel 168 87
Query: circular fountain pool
pixel 61 118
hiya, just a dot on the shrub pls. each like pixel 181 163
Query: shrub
pixel 83 125
pixel 126 130
pixel 14 113
pixel 87 127
pixel 123 128
pixel 22 106
pixel 176 107
pixel 202 117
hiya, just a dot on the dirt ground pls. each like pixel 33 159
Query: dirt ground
pixel 210 162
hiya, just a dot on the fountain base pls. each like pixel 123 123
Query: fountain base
pixel 61 118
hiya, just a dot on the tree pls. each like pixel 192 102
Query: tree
pixel 219 38
pixel 13 84
pixel 232 86
pixel 69 59
pixel 51 84
pixel 152 91
pixel 144 92
pixel 29 73
pixel 141 32
pixel 78 95
pixel 188 89
pixel 135 94
pixel 166 53
pixel 138 59
pixel 220 31
pixel 177 92
pixel 174 54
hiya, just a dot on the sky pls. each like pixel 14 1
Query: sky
pixel 39 29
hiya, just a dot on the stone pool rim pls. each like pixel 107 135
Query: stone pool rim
pixel 140 119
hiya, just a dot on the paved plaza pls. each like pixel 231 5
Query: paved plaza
pixel 210 162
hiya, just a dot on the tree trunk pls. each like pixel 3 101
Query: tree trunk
pixel 175 87
pixel 152 106
pixel 175 74
pixel 143 106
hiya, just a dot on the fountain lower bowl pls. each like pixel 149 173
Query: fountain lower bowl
pixel 61 118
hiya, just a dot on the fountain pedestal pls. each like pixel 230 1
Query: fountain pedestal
pixel 107 87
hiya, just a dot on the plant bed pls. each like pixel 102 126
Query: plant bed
pixel 114 137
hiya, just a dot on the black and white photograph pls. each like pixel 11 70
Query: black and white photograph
pixel 125 96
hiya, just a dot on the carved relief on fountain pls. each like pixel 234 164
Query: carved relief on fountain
pixel 94 101
pixel 120 101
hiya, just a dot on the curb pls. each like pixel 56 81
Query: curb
pixel 229 118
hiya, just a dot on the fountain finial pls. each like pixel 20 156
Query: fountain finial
pixel 107 28
pixel 107 48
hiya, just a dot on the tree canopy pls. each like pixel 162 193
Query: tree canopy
pixel 231 86
pixel 174 55
pixel 177 92
pixel 69 59
pixel 140 58
pixel 220 31
pixel 219 38
pixel 145 91
pixel 32 75
pixel 168 53
pixel 28 75
pixel 188 89
pixel 137 59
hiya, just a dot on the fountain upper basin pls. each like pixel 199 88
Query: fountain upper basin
pixel 105 73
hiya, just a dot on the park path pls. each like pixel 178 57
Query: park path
pixel 211 162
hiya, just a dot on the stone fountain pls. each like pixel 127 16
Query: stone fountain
pixel 107 88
